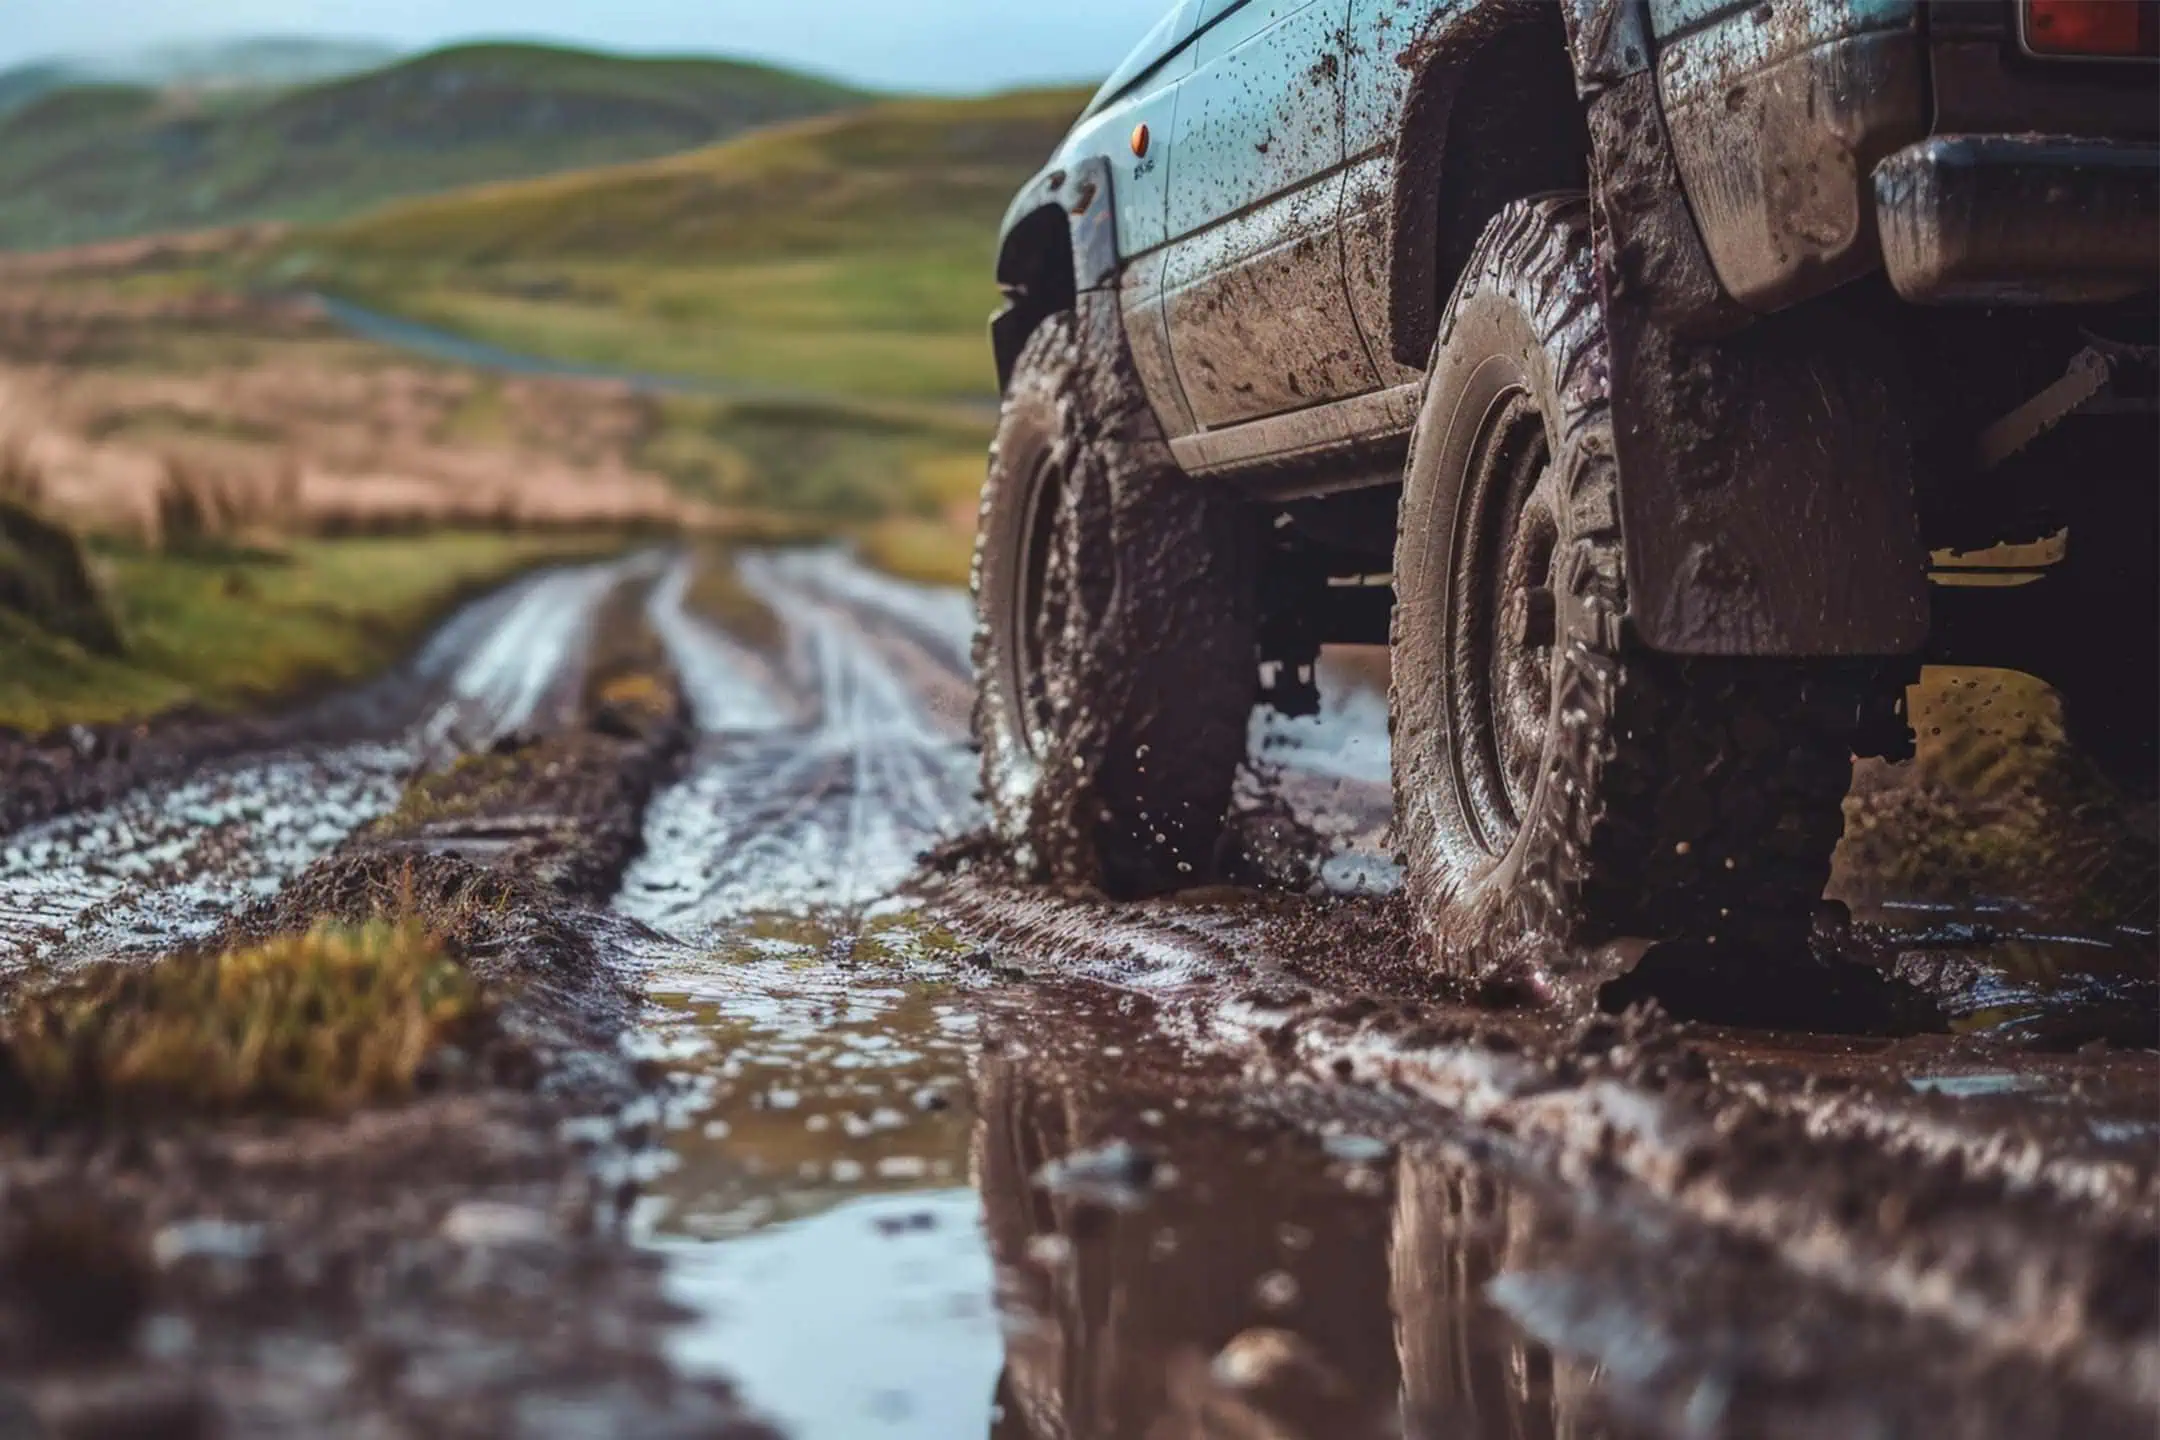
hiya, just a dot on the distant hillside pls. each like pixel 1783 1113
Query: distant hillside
pixel 252 63
pixel 849 254
pixel 90 162
pixel 24 83
pixel 903 175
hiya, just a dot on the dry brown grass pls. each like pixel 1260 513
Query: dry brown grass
pixel 198 504
pixel 177 415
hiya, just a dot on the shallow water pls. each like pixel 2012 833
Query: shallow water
pixel 850 1198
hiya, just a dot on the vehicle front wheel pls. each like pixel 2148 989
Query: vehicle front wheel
pixel 1562 795
pixel 1116 645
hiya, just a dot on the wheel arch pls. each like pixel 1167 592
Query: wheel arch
pixel 1060 239
pixel 1492 116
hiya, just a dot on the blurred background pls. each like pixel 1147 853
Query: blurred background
pixel 283 282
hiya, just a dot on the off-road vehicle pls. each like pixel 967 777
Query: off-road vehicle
pixel 1664 380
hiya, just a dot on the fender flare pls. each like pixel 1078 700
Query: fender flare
pixel 1084 198
pixel 1442 61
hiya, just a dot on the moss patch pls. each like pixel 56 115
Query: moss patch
pixel 321 1022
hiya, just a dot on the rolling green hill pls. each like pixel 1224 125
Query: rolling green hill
pixel 258 62
pixel 845 261
pixel 90 162
pixel 849 254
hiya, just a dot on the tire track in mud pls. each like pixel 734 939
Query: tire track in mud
pixel 164 863
pixel 821 774
pixel 787 981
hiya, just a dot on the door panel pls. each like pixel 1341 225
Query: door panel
pixel 1259 315
pixel 1261 112
pixel 1259 320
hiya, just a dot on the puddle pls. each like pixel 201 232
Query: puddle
pixel 1027 1220
pixel 850 1202
pixel 1968 1087
pixel 906 1200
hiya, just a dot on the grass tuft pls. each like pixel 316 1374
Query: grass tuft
pixel 316 1023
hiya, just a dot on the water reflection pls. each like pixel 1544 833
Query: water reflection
pixel 905 1205
pixel 1266 1288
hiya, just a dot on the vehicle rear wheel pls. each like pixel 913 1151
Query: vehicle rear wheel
pixel 1116 627
pixel 1563 795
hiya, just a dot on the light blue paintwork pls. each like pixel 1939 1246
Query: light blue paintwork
pixel 1248 231
pixel 1831 17
pixel 1708 61
pixel 1141 91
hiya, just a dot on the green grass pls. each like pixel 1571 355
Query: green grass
pixel 90 162
pixel 230 630
pixel 929 552
pixel 833 460
pixel 836 271
pixel 318 1023
pixel 849 255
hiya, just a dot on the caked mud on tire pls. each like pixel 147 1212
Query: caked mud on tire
pixel 1116 633
pixel 1561 794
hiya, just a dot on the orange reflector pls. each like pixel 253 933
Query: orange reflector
pixel 1140 138
pixel 2121 28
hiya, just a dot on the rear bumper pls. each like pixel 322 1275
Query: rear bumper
pixel 1981 219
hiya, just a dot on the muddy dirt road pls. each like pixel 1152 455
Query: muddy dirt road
pixel 947 1157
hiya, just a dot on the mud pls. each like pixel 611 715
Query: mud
pixel 156 839
pixel 781 1126
pixel 456 1266
pixel 490 665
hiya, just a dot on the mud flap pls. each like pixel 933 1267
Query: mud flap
pixel 1766 489
pixel 1766 464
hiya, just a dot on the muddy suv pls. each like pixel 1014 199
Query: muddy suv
pixel 1664 380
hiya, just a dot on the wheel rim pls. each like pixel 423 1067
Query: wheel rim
pixel 1503 614
pixel 1038 616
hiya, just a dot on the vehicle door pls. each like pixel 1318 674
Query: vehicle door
pixel 1258 312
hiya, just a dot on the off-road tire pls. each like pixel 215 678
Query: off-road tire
pixel 1116 643
pixel 1664 798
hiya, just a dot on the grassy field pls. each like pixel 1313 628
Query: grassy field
pixel 838 271
pixel 86 162
pixel 849 255
pixel 226 630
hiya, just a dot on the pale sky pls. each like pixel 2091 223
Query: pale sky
pixel 957 45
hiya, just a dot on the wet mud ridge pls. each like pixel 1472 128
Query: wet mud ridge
pixel 150 844
pixel 1937 1233
pixel 453 1265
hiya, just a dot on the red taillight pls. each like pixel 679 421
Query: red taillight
pixel 2119 29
